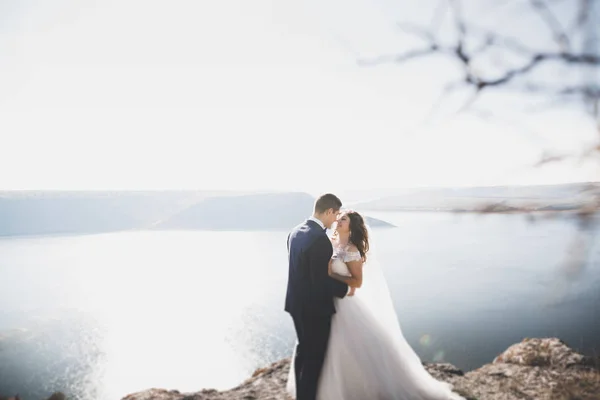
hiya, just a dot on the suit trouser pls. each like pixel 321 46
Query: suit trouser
pixel 313 336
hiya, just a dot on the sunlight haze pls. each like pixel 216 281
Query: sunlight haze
pixel 240 95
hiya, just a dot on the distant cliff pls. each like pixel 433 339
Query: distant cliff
pixel 72 212
pixel 40 213
pixel 491 199
pixel 44 213
pixel 269 211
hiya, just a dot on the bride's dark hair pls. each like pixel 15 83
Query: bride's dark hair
pixel 359 236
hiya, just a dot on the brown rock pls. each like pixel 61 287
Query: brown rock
pixel 535 369
pixel 57 396
pixel 541 352
pixel 54 396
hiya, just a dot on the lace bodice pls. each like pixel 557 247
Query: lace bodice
pixel 345 255
pixel 340 257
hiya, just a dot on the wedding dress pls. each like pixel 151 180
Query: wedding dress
pixel 367 356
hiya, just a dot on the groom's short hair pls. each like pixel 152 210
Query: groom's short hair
pixel 327 201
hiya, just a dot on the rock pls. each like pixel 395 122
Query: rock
pixel 57 396
pixel 155 394
pixel 54 396
pixel 541 352
pixel 535 369
pixel 443 369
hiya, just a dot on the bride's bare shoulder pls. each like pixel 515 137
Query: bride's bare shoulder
pixel 352 248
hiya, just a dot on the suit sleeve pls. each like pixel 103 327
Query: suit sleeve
pixel 319 256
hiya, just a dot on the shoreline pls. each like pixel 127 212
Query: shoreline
pixel 529 213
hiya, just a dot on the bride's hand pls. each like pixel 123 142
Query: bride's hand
pixel 329 271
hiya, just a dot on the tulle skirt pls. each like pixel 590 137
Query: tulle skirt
pixel 368 360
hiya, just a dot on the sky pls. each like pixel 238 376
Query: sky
pixel 233 94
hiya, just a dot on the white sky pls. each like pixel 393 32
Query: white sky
pixel 238 94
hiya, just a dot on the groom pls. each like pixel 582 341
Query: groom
pixel 310 292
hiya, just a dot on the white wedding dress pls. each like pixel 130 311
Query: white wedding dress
pixel 367 355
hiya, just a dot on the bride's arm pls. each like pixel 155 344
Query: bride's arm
pixel 355 268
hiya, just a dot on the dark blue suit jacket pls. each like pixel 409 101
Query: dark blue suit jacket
pixel 310 289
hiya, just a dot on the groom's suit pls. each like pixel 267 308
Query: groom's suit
pixel 309 300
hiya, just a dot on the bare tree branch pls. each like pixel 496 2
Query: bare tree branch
pixel 509 42
pixel 438 16
pixel 491 39
pixel 399 58
pixel 582 15
pixel 470 101
pixel 456 7
pixel 553 23
pixel 448 89
pixel 550 158
pixel 534 62
pixel 461 28
pixel 417 31
pixel 522 77
pixel 560 94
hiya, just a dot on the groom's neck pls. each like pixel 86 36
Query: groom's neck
pixel 319 217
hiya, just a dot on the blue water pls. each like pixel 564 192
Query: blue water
pixel 100 316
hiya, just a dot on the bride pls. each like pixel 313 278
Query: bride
pixel 367 356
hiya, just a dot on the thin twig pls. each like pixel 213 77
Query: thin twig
pixel 487 42
pixel 560 37
pixel 474 96
pixel 438 16
pixel 417 31
pixel 534 62
pixel 398 58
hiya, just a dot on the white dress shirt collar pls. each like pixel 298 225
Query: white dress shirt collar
pixel 318 221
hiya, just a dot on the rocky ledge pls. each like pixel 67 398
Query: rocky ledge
pixel 535 369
